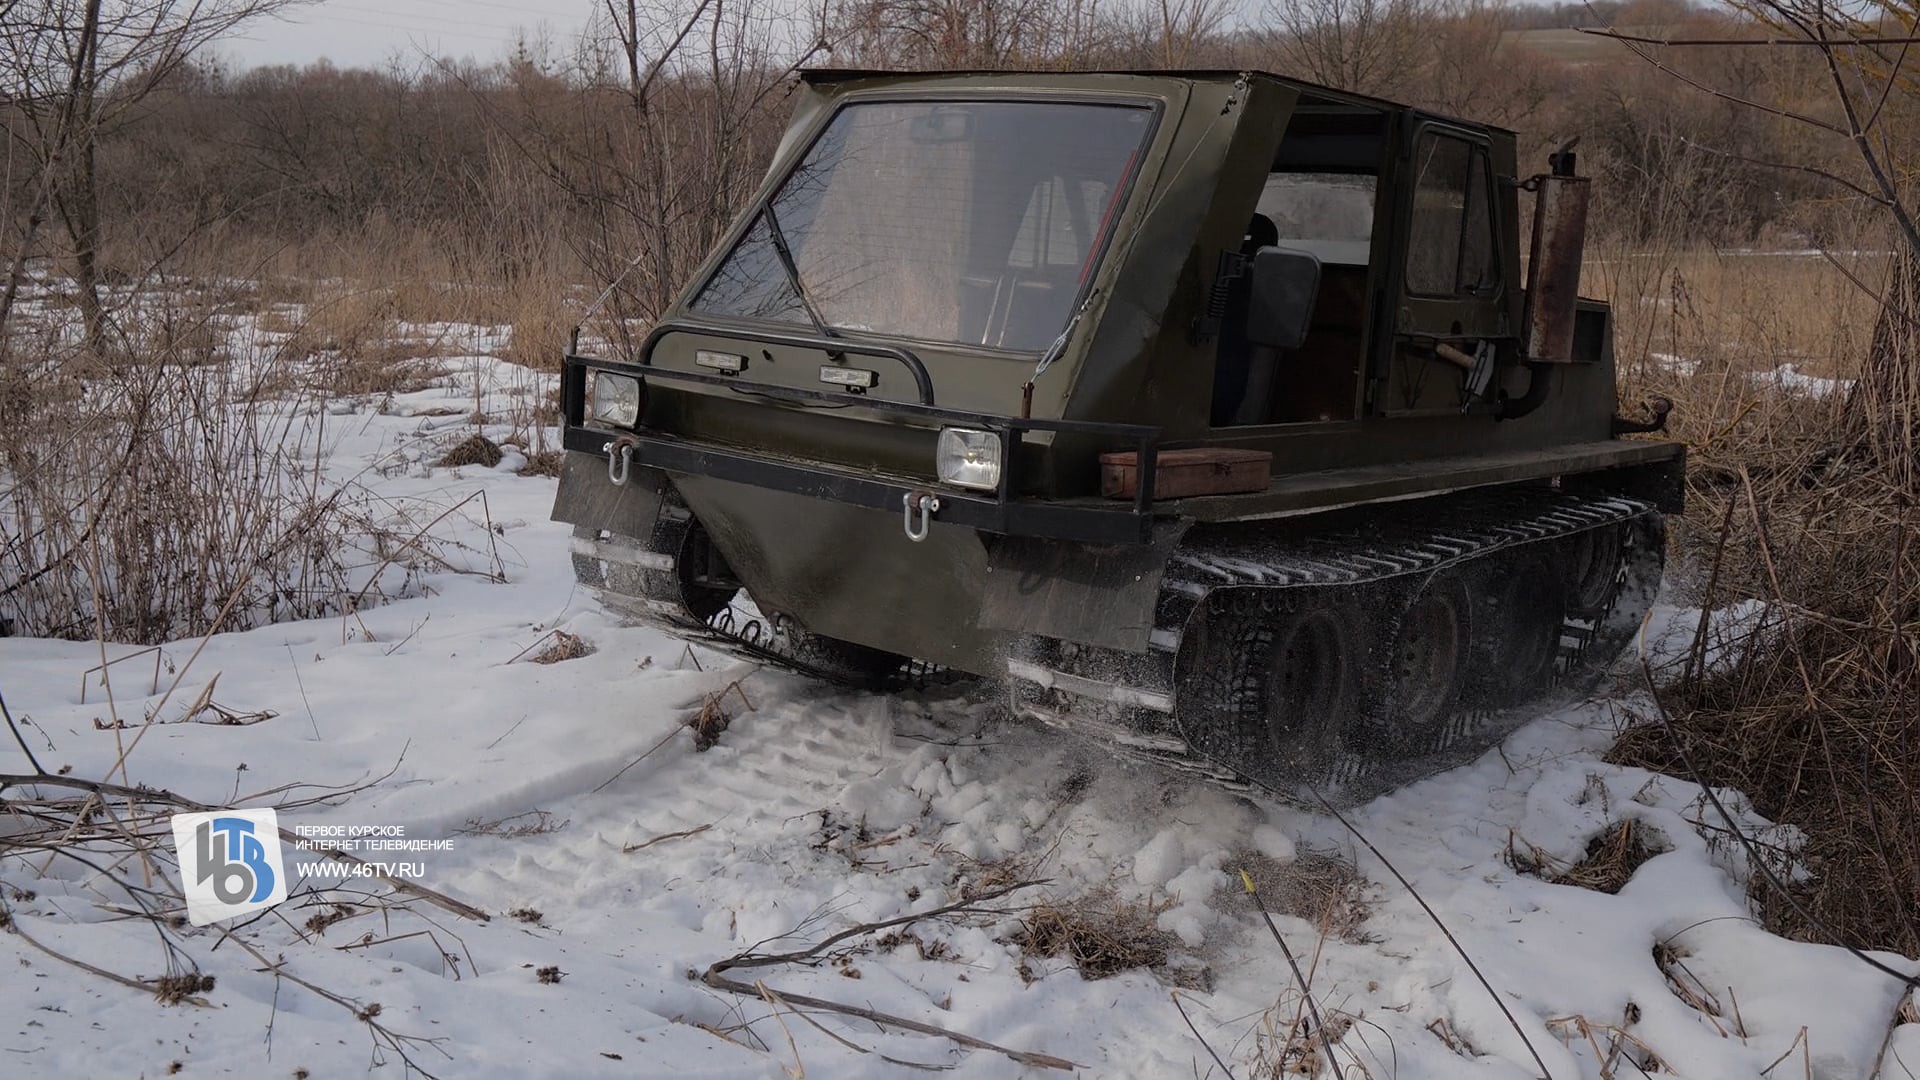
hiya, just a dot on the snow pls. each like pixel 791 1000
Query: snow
pixel 820 809
pixel 1790 378
pixel 1678 365
pixel 1785 377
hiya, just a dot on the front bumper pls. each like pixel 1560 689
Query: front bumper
pixel 1004 511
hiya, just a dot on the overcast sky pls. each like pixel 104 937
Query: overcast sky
pixel 363 33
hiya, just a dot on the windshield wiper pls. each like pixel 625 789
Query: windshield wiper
pixel 785 253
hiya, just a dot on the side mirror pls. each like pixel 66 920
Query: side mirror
pixel 1284 286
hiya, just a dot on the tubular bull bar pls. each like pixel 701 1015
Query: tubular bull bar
pixel 1005 510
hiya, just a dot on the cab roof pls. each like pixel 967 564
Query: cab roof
pixel 1312 95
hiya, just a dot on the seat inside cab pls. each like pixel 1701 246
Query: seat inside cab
pixel 1319 197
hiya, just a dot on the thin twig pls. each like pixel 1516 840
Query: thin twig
pixel 395 647
pixel 143 985
pixel 1300 980
pixel 715 977
pixel 168 798
pixel 1211 1052
pixel 531 644
pixel 695 831
pixel 19 738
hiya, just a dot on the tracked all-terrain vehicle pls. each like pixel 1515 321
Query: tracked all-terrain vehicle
pixel 1211 411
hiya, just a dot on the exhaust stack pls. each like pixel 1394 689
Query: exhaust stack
pixel 1553 267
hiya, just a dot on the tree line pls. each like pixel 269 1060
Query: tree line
pixel 620 156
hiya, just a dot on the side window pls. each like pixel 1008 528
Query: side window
pixel 1451 250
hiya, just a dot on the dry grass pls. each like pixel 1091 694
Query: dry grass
pixel 1612 856
pixel 1671 959
pixel 542 463
pixel 1286 1044
pixel 565 646
pixel 1623 1050
pixel 541 323
pixel 1803 514
pixel 475 449
pixel 1734 312
pixel 1100 933
pixel 1810 708
pixel 1319 888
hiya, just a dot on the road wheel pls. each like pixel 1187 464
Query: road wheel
pixel 1594 561
pixel 1615 616
pixel 1280 682
pixel 1423 669
pixel 1518 640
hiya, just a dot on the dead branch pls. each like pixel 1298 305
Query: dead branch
pixel 1211 1052
pixel 644 844
pixel 168 988
pixel 774 995
pixel 168 798
pixel 1615 35
pixel 366 1014
pixel 715 977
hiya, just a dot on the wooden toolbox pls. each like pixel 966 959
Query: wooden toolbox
pixel 1179 474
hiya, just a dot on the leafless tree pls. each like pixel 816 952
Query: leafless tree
pixel 1186 25
pixel 1864 146
pixel 1366 46
pixel 73 70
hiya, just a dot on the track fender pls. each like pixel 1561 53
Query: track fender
pixel 1094 594
pixel 587 498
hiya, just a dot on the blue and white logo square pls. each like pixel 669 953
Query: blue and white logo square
pixel 229 863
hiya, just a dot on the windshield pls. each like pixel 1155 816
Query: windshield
pixel 971 222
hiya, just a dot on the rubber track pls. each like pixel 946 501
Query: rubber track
pixel 1418 539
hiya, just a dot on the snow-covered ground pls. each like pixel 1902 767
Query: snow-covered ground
pixel 1782 378
pixel 819 810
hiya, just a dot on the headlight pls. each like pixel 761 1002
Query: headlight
pixel 616 399
pixel 968 458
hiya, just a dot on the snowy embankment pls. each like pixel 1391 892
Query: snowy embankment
pixel 819 810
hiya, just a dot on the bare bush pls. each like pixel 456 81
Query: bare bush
pixel 1804 517
pixel 1812 716
pixel 145 499
pixel 180 486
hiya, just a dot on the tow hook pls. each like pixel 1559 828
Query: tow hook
pixel 619 460
pixel 925 504
pixel 1659 407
